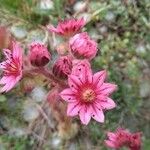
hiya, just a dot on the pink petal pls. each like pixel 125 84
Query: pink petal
pixel 107 88
pixel 99 78
pixel 17 51
pixel 7 53
pixel 110 144
pixel 73 108
pixel 87 76
pixel 108 103
pixel 85 114
pixel 3 65
pixel 68 95
pixel 8 86
pixel 97 114
pixel 111 136
pixel 74 82
pixel 81 22
pixel 3 80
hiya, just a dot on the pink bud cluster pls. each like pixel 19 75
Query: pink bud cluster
pixel 123 138
pixel 86 93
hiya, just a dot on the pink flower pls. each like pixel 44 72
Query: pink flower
pixel 62 67
pixel 39 55
pixel 135 141
pixel 68 27
pixel 118 139
pixel 88 95
pixel 81 46
pixel 12 67
pixel 123 138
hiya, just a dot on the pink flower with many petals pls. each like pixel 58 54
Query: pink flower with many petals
pixel 12 67
pixel 81 46
pixel 88 95
pixel 68 27
pixel 123 138
pixel 39 54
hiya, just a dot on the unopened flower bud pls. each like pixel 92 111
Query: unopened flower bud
pixel 62 67
pixel 82 47
pixel 39 55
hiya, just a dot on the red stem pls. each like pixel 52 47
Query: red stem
pixel 46 73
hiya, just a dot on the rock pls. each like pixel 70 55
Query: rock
pixel 30 112
pixel 79 6
pixel 38 94
pixel 46 4
pixel 12 102
pixel 17 132
pixel 36 35
pixel 103 29
pixel 18 31
pixel 2 147
pixel 145 89
pixel 4 123
pixel 72 146
pixel 86 16
pixel 110 16
pixel 94 34
pixel 140 49
pixel 56 142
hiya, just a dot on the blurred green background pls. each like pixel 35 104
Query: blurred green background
pixel 121 28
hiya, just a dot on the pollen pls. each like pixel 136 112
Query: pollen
pixel 88 95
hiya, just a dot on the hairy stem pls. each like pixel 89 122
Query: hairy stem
pixel 46 73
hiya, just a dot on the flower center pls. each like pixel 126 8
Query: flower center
pixel 11 68
pixel 88 95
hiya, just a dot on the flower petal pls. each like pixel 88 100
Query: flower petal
pixel 74 82
pixel 7 53
pixel 107 88
pixel 108 104
pixel 110 144
pixel 97 114
pixel 8 86
pixel 111 136
pixel 17 51
pixel 85 114
pixel 87 76
pixel 73 108
pixel 4 80
pixel 68 95
pixel 99 78
pixel 82 69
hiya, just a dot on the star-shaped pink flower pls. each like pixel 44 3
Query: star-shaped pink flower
pixel 12 68
pixel 88 95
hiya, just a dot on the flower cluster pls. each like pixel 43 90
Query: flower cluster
pixel 87 94
pixel 122 138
